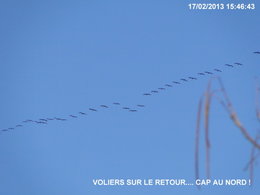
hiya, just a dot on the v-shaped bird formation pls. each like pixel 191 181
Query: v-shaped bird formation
pixel 45 121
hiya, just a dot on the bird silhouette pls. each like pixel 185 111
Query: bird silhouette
pixel 184 80
pixel 154 91
pixel 146 94
pixel 175 82
pixel 256 52
pixel 217 70
pixel 125 108
pixel 26 121
pixel 229 65
pixel 140 105
pixel 161 88
pixel 208 72
pixel 83 113
pixel 193 78
pixel 239 64
pixel 132 110
pixel 73 116
pixel 60 119
pixel 92 109
pixel 200 73
pixel 103 106
pixel 167 85
pixel 40 122
pixel 116 103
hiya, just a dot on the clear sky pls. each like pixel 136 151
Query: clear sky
pixel 63 57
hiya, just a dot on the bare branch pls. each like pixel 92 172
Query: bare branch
pixel 197 139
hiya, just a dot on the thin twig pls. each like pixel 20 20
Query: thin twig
pixel 197 140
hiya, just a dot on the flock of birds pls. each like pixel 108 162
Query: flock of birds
pixel 45 121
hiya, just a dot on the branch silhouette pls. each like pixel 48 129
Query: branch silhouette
pixel 223 98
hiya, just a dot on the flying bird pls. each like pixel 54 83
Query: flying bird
pixel 140 105
pixel 126 108
pixel 116 103
pixel 132 110
pixel 239 64
pixel 184 80
pixel 161 88
pixel 73 116
pixel 256 52
pixel 41 119
pixel 175 82
pixel 103 106
pixel 200 73
pixel 40 122
pixel 26 121
pixel 50 119
pixel 154 91
pixel 60 119
pixel 217 70
pixel 167 85
pixel 83 113
pixel 208 72
pixel 92 109
pixel 229 65
pixel 193 78
pixel 146 94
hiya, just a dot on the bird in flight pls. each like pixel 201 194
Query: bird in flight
pixel 26 121
pixel 59 119
pixel 18 125
pixel 161 88
pixel 217 70
pixel 193 78
pixel 116 103
pixel 73 116
pixel 50 119
pixel 83 113
pixel 41 119
pixel 146 94
pixel 140 105
pixel 200 73
pixel 40 122
pixel 229 65
pixel 103 106
pixel 167 85
pixel 132 110
pixel 154 91
pixel 256 52
pixel 208 72
pixel 184 80
pixel 175 82
pixel 126 108
pixel 239 64
pixel 92 109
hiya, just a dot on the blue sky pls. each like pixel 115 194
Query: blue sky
pixel 61 57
